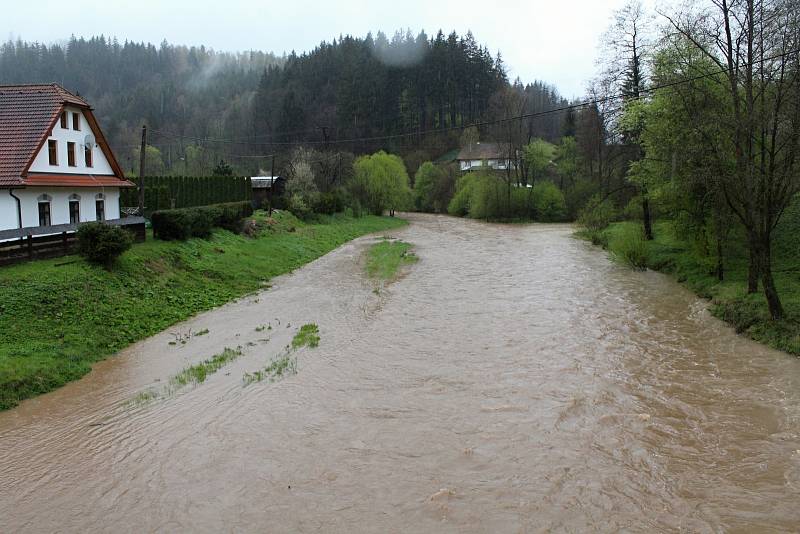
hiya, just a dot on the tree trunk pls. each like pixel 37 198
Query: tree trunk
pixel 752 268
pixel 720 261
pixel 648 221
pixel 765 268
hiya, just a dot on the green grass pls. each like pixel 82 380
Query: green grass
pixel 197 374
pixel 57 317
pixel 194 374
pixel 748 314
pixel 307 336
pixel 385 258
pixel 278 367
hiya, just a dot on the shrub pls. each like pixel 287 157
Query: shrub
pixel 597 214
pixel 577 196
pixel 630 247
pixel 181 224
pixel 483 195
pixel 329 203
pixel 549 202
pixel 459 204
pixel 298 207
pixel 102 244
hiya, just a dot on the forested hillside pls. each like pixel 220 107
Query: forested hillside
pixel 188 90
pixel 201 106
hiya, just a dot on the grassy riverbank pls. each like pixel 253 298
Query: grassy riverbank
pixel 748 314
pixel 59 316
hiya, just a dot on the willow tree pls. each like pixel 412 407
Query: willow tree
pixel 381 183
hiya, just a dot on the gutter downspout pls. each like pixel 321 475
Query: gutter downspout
pixel 19 207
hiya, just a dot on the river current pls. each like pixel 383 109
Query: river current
pixel 513 380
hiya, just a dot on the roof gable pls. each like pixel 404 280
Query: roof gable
pixel 27 114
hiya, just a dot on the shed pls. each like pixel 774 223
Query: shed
pixel 266 189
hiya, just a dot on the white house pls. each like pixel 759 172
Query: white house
pixel 55 164
pixel 493 156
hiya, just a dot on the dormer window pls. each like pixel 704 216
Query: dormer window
pixel 64 120
pixel 52 151
pixel 76 121
pixel 71 154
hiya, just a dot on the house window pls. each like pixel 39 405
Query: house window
pixel 44 210
pixel 76 121
pixel 64 120
pixel 71 154
pixel 52 151
pixel 74 209
pixel 100 208
pixel 87 156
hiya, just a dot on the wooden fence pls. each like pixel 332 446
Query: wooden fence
pixel 40 242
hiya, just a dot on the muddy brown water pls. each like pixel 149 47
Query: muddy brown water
pixel 515 380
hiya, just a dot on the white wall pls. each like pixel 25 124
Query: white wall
pixel 59 205
pixel 41 162
pixel 8 210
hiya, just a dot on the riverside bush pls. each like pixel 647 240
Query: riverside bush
pixel 102 244
pixel 548 200
pixel 482 195
pixel 597 214
pixel 181 224
pixel 630 247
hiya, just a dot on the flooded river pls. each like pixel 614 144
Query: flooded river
pixel 514 380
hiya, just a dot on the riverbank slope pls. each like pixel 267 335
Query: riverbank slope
pixel 59 316
pixel 748 314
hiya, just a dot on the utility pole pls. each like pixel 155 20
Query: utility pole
pixel 324 136
pixel 142 153
pixel 272 185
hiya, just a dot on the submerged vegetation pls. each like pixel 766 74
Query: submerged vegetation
pixel 385 258
pixel 75 314
pixel 193 374
pixel 196 374
pixel 286 363
pixel 307 336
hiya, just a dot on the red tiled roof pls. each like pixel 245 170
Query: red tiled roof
pixel 75 180
pixel 27 112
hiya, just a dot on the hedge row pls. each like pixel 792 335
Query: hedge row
pixel 169 192
pixel 198 221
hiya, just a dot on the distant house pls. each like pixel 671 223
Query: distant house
pixel 56 167
pixel 266 189
pixel 477 156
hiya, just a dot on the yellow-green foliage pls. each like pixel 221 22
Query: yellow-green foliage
pixel 484 195
pixel 426 180
pixel 381 183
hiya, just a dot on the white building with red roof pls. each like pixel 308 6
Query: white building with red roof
pixel 55 164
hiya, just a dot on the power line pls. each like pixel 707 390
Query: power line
pixel 578 106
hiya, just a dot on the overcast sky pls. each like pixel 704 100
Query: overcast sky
pixel 550 40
